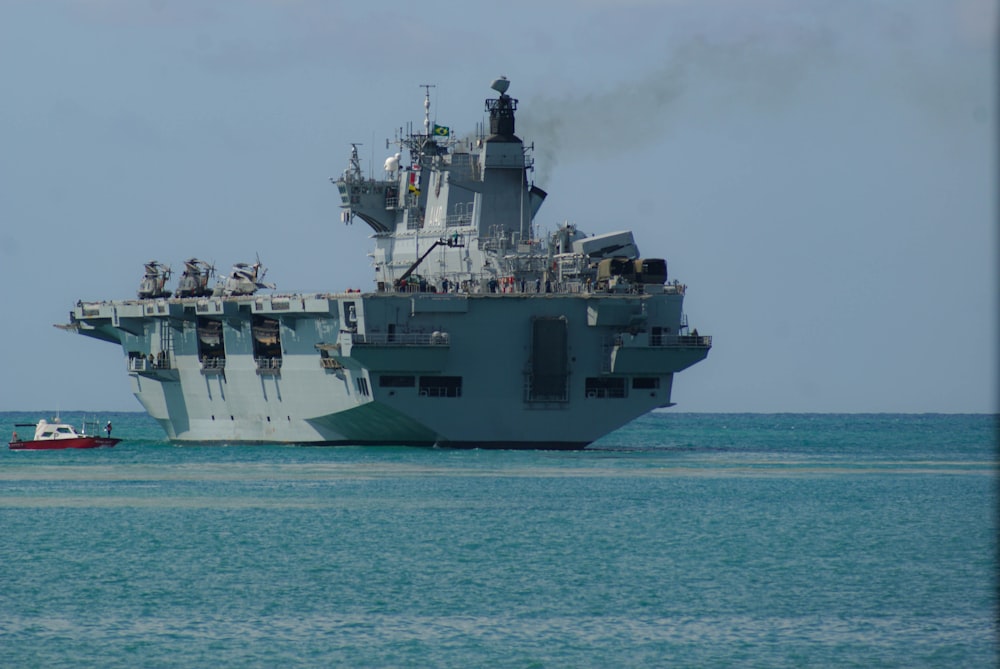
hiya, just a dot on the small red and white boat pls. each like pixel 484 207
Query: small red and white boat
pixel 57 435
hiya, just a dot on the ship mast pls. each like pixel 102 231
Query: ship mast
pixel 427 107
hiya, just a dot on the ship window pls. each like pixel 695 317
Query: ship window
pixel 441 386
pixel 362 385
pixel 396 381
pixel 603 387
pixel 646 382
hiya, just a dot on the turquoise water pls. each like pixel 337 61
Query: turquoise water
pixel 681 540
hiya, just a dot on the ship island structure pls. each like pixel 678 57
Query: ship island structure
pixel 476 332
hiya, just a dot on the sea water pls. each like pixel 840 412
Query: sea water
pixel 693 540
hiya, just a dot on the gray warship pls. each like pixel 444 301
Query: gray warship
pixel 477 330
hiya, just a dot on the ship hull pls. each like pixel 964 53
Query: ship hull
pixel 62 444
pixel 528 371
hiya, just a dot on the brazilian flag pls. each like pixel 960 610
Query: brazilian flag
pixel 441 130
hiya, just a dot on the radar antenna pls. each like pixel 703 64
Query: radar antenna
pixel 501 109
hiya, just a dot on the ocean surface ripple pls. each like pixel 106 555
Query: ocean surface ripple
pixel 680 540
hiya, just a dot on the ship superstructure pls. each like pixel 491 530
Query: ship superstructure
pixel 477 331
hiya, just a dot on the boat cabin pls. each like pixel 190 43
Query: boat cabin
pixel 46 430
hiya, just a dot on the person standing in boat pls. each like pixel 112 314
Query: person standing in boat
pixel 107 428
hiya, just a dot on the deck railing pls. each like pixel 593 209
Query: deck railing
pixel 268 365
pixel 148 365
pixel 681 341
pixel 500 286
pixel 213 364
pixel 402 339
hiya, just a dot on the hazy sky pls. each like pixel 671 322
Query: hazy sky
pixel 821 174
